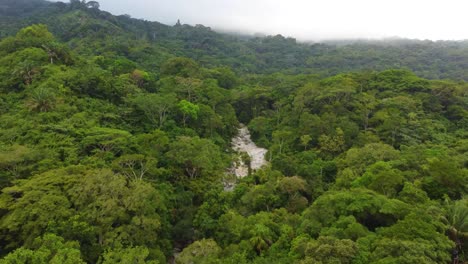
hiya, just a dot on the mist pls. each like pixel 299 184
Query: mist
pixel 310 19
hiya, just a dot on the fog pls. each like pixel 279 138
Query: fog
pixel 310 19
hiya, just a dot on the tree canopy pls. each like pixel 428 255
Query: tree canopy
pixel 115 144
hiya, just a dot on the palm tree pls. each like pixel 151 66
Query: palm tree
pixel 26 71
pixel 51 52
pixel 262 238
pixel 456 219
pixel 41 100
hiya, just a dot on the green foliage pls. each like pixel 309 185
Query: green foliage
pixel 204 251
pixel 156 107
pixel 42 100
pixel 196 157
pixel 330 250
pixel 114 144
pixel 97 198
pixel 398 243
pixel 334 144
pixel 445 178
pixel 182 67
pixel 188 110
pixel 105 140
pixel 456 220
pixel 382 178
pixel 47 249
pixel 136 255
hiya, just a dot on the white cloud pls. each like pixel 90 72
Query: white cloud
pixel 310 19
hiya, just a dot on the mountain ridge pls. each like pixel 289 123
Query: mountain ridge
pixel 116 145
pixel 249 54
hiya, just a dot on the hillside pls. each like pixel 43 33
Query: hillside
pixel 115 145
pixel 81 25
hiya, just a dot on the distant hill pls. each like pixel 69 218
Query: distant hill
pixel 78 24
pixel 115 148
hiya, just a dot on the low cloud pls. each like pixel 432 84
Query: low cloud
pixel 310 19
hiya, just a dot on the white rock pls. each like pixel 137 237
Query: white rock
pixel 243 143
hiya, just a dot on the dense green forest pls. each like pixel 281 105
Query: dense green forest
pixel 93 32
pixel 115 144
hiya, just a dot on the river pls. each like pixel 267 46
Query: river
pixel 243 143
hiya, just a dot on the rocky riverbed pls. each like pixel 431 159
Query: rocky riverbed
pixel 243 143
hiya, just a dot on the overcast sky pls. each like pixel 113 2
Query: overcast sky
pixel 310 19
